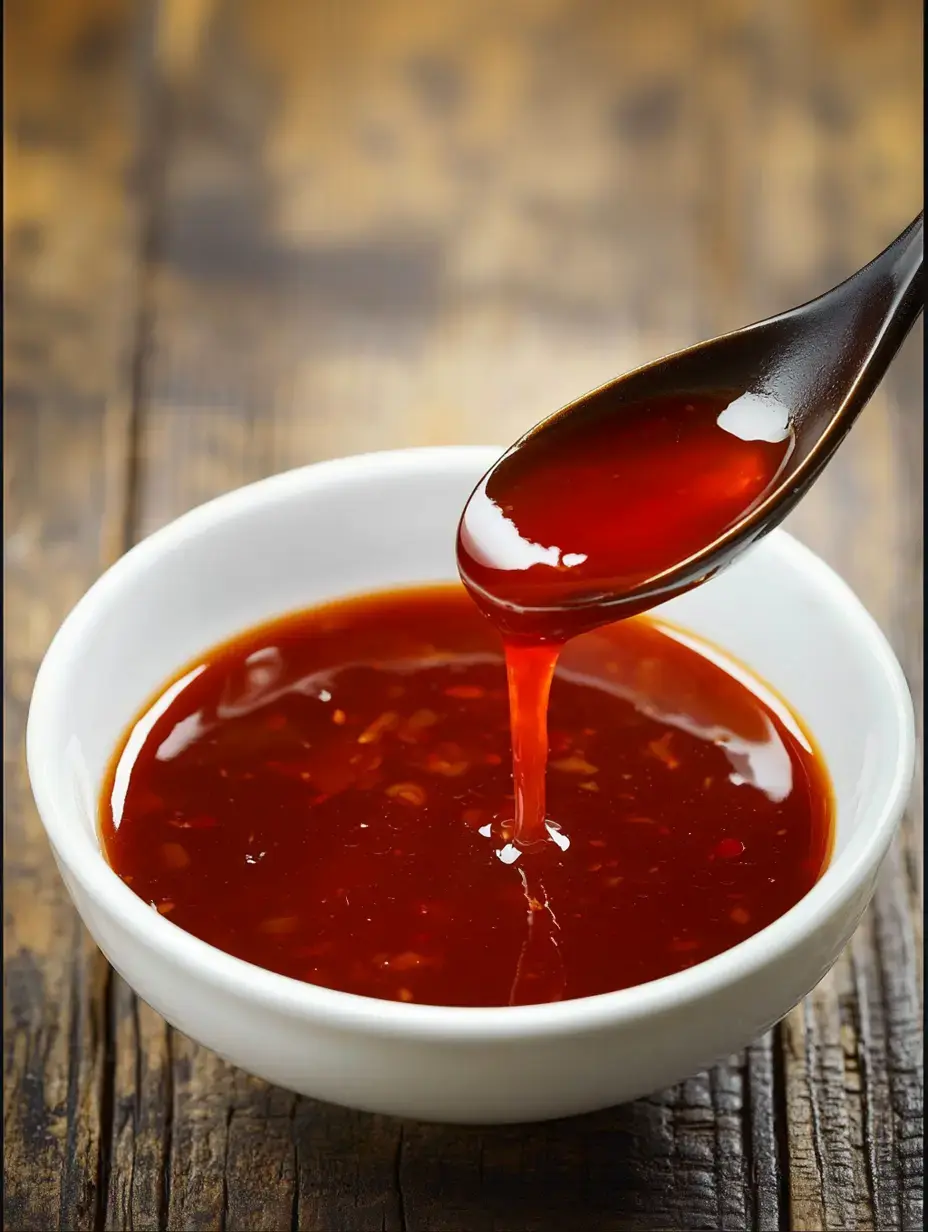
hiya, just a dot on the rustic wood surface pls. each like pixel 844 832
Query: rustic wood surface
pixel 245 235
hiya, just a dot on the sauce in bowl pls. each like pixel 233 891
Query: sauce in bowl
pixel 329 796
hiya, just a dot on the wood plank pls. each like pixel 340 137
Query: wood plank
pixel 855 1049
pixel 410 224
pixel 70 237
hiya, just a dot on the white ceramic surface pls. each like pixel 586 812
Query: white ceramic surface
pixel 381 520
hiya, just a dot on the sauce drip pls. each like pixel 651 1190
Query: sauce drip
pixel 329 796
pixel 575 520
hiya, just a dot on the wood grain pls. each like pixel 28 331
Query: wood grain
pixel 362 226
pixel 69 297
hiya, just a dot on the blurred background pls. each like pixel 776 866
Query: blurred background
pixel 332 227
pixel 242 235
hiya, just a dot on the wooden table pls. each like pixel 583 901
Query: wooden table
pixel 244 236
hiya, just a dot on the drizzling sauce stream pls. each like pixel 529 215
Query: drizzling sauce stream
pixel 590 508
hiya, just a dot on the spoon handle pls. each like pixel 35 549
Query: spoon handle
pixel 899 269
pixel 861 324
pixel 887 296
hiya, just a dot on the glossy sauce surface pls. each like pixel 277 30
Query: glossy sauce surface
pixel 593 505
pixel 330 797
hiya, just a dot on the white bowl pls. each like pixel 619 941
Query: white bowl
pixel 381 520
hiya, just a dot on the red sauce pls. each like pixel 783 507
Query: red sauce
pixel 597 504
pixel 576 524
pixel 329 796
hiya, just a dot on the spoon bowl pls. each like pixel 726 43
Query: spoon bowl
pixel 736 430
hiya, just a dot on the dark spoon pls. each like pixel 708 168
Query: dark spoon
pixel 646 491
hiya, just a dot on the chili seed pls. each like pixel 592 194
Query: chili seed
pixel 409 793
pixel 729 849
pixel 384 723
pixel 661 750
pixel 575 764
pixel 450 768
pixel 683 945
pixel 407 961
pixel 175 856
pixel 279 925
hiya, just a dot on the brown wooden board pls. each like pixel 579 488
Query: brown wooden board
pixel 244 236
